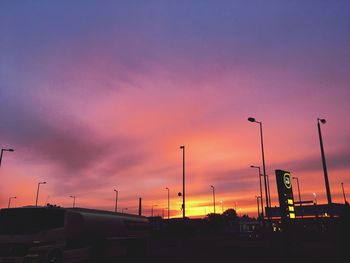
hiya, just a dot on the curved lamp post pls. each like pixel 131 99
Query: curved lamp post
pixel 261 199
pixel 168 201
pixel 73 196
pixel 10 198
pixel 263 162
pixel 328 191
pixel 213 197
pixel 5 150
pixel 300 204
pixel 37 192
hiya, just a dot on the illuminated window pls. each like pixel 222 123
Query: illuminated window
pixel 291 208
pixel 290 201
pixel 292 215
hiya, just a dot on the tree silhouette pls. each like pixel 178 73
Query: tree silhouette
pixel 229 215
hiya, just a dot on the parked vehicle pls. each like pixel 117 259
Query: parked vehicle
pixel 54 234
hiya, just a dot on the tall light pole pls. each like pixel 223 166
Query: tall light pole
pixel 268 189
pixel 116 201
pixel 182 147
pixel 263 162
pixel 12 197
pixel 152 210
pixel 329 198
pixel 73 196
pixel 342 187
pixel 37 192
pixel 300 204
pixel 257 202
pixel 213 197
pixel 168 201
pixel 5 150
pixel 261 199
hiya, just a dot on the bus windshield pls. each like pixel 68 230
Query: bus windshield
pixel 29 220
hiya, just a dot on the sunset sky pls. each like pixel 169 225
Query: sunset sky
pixel 99 95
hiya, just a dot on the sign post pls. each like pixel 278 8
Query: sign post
pixel 285 195
pixel 287 210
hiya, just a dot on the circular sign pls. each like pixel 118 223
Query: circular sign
pixel 286 180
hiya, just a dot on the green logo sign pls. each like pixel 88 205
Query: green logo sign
pixel 286 180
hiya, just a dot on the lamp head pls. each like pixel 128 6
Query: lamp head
pixel 182 147
pixel 323 121
pixel 11 150
pixel 251 119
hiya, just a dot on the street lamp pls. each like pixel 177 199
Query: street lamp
pixel 342 186
pixel 300 204
pixel 73 196
pixel 329 198
pixel 257 202
pixel 152 210
pixel 37 192
pixel 268 189
pixel 213 197
pixel 116 201
pixel 261 199
pixel 182 147
pixel 5 150
pixel 9 204
pixel 315 198
pixel 263 162
pixel 168 201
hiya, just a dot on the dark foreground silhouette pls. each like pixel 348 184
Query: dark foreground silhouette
pixel 309 240
pixel 49 234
